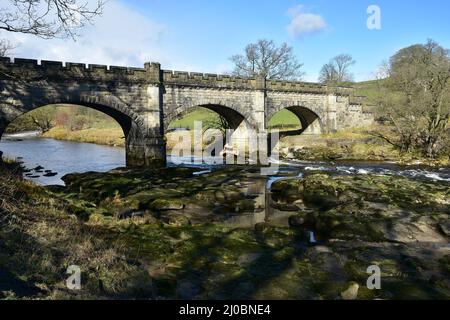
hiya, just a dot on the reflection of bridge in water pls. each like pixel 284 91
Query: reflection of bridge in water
pixel 257 189
pixel 144 101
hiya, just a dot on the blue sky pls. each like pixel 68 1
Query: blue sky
pixel 201 35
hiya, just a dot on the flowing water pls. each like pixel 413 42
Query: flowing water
pixel 58 158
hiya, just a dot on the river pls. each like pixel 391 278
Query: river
pixel 58 158
pixel 61 157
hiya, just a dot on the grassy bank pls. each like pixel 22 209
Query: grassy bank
pixel 352 145
pixel 40 238
pixel 104 136
pixel 345 145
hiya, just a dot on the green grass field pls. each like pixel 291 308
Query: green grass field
pixel 369 89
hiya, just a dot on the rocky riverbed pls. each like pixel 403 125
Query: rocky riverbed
pixel 231 233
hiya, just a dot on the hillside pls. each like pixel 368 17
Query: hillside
pixel 368 89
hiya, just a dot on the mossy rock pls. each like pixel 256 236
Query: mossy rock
pixel 321 191
pixel 167 204
pixel 303 220
pixel 245 205
pixel 287 191
pixel 175 218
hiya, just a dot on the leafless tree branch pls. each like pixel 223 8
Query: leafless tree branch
pixel 49 18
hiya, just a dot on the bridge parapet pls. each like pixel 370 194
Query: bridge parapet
pixel 294 86
pixel 32 70
pixel 210 80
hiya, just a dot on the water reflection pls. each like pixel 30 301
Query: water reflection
pixel 255 190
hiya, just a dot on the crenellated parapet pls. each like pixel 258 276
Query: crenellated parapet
pixel 220 81
pixel 192 79
pixel 33 70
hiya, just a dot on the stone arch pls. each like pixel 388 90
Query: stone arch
pixel 239 122
pixel 138 144
pixel 307 116
pixel 226 108
pixel 107 104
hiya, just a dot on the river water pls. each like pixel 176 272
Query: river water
pixel 63 157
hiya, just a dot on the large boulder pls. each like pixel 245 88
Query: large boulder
pixel 323 192
pixel 408 231
pixel 287 191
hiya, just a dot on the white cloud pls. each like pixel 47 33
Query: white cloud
pixel 303 23
pixel 120 36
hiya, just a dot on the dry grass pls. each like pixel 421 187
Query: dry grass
pixel 104 136
pixel 357 144
pixel 40 239
pixel 176 138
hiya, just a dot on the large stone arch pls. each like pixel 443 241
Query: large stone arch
pixel 240 121
pixel 234 118
pixel 306 116
pixel 20 101
pixel 19 98
pixel 228 108
pixel 116 110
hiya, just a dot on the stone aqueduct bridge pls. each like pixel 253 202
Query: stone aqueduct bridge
pixel 144 101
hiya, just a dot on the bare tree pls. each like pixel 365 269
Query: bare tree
pixel 48 18
pixel 42 118
pixel 415 99
pixel 337 70
pixel 218 122
pixel 328 74
pixel 267 60
pixel 6 47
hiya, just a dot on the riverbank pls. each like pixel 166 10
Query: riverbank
pixel 171 234
pixel 352 145
pixel 104 136
pixel 347 145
